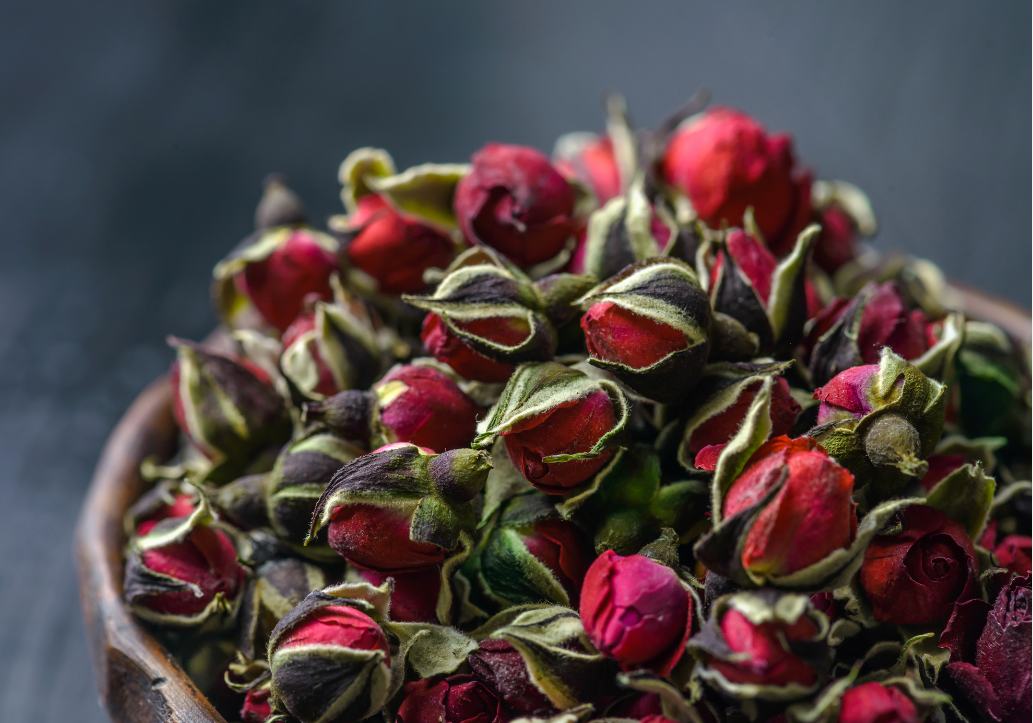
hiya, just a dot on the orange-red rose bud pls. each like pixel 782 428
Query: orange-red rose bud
pixel 915 576
pixel 456 699
pixel 570 427
pixel 424 406
pixel 446 347
pixel 877 702
pixel 636 611
pixel 515 201
pixel 392 249
pixel 811 515
pixel 725 162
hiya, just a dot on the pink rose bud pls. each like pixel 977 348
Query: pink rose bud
pixel 185 582
pixel 442 344
pixel 256 708
pixel 636 611
pixel 725 162
pixel 326 656
pixel 877 702
pixel 914 577
pixel 847 395
pixel 456 699
pixel 515 201
pixel 811 516
pixel 594 163
pixel 499 666
pixel 424 406
pixel 415 595
pixel 1013 553
pixel 392 249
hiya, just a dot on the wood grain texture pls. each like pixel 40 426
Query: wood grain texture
pixel 139 681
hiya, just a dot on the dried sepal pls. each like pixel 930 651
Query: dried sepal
pixel 966 496
pixel 278 585
pixel 424 191
pixel 358 170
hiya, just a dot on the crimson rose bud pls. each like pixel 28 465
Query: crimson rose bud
pixel 838 242
pixel 392 249
pixel 593 162
pixel 324 652
pixel 873 701
pixel 414 598
pixel 256 708
pixel 811 516
pixel 914 577
pixel 503 670
pixel 1013 553
pixel 445 346
pixel 378 538
pixel 636 611
pixel 184 582
pixel 456 699
pixel 424 406
pixel 725 162
pixel 515 201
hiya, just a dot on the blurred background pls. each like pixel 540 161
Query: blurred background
pixel 134 138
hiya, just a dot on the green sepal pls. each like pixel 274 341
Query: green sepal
pixel 424 192
pixel 504 482
pixel 357 169
pixel 534 389
pixel 277 587
pixel 430 650
pixel 937 362
pixel 966 496
pixel 736 454
pixel 787 304
pixel 620 233
pixel 673 702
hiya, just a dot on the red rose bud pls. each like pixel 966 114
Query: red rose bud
pixel 811 515
pixel 725 162
pixel 845 214
pixel 331 348
pixel 182 572
pixel 877 702
pixel 849 334
pixel 414 598
pixel 301 473
pixel 709 432
pixel 423 405
pixel 590 159
pixel 392 249
pixel 448 348
pixel 847 394
pixel 456 699
pixel 636 611
pixel 499 666
pixel 401 508
pixel 531 555
pixel 1014 552
pixel 914 576
pixel 276 269
pixel 650 325
pixel 256 708
pixel 226 409
pixel 763 645
pixel 559 425
pixel 515 201
pixel 330 661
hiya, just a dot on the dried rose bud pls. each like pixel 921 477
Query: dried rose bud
pixel 845 215
pixel 636 611
pixel 256 708
pixel 851 333
pixel 330 661
pixel 531 555
pixel 725 162
pixel 515 201
pixel 763 645
pixel 913 577
pixel 503 670
pixel 559 425
pixel 183 572
pixel 649 325
pixel 277 268
pixel 988 673
pixel 1014 553
pixel 420 404
pixel 242 502
pixel 401 508
pixel 456 699
pixel 392 249
pixel 414 598
pixel 331 348
pixel 226 409
pixel 449 348
pixel 810 516
pixel 277 586
pixel 590 159
pixel 877 702
pixel 301 473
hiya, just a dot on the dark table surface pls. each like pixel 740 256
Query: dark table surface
pixel 133 139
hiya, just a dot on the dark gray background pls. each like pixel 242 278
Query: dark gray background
pixel 133 139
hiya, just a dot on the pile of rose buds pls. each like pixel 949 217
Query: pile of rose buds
pixel 641 432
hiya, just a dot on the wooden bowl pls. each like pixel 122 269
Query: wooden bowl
pixel 138 680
